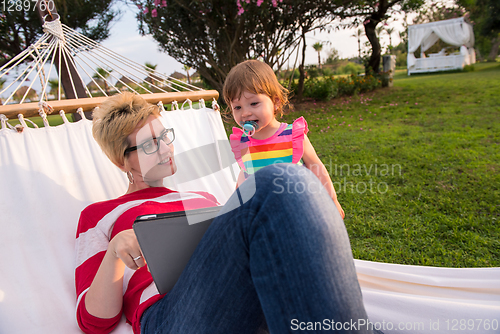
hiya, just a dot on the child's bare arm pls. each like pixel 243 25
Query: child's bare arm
pixel 314 164
pixel 241 178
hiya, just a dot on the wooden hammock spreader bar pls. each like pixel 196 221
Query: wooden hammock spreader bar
pixel 88 104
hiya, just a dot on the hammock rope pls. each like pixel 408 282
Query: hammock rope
pixel 81 56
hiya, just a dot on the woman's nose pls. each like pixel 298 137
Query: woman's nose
pixel 164 148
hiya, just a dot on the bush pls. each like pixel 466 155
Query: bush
pixel 350 68
pixel 401 59
pixel 313 72
pixel 329 88
pixel 325 89
pixel 469 68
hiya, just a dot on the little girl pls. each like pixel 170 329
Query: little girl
pixel 256 97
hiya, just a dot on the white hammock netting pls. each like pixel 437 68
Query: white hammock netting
pixel 49 175
pixel 93 67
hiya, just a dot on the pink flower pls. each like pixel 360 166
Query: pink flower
pixel 139 6
pixel 157 3
pixel 369 129
pixel 241 11
pixel 361 129
pixel 416 103
pixel 154 13
pixel 366 22
pixel 164 3
pixel 374 114
pixel 247 1
pixel 259 2
pixel 349 125
pixel 275 3
pixel 146 10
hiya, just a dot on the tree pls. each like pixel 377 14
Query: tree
pixel 485 14
pixel 318 47
pixel 359 33
pixel 101 75
pixel 213 36
pixel 54 87
pixel 21 28
pixel 152 78
pixel 374 12
pixel 187 68
pixel 333 57
pixel 389 32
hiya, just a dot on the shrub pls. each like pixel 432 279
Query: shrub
pixel 325 89
pixel 350 68
pixel 329 88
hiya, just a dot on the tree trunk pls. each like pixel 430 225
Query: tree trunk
pixel 494 49
pixel 319 60
pixel 302 76
pixel 374 62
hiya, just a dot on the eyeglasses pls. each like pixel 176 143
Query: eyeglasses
pixel 153 145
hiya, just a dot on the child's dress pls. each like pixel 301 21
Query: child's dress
pixel 285 146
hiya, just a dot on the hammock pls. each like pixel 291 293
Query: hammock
pixel 49 175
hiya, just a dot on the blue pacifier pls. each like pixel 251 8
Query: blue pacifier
pixel 249 127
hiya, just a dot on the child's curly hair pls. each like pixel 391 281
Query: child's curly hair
pixel 255 77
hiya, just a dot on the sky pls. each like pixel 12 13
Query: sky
pixel 126 40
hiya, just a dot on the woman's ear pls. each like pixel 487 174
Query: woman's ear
pixel 122 167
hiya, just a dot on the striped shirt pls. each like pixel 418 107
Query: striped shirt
pixel 102 221
pixel 285 146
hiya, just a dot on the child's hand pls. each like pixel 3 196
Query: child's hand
pixel 341 211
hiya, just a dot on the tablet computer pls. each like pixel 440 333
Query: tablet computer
pixel 168 240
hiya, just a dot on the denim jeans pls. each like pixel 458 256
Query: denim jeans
pixel 280 262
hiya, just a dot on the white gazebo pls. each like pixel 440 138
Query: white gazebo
pixel 455 32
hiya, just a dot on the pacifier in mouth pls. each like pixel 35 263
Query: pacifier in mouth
pixel 249 127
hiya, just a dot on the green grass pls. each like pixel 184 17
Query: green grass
pixel 432 195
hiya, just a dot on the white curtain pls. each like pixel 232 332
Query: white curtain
pixel 455 32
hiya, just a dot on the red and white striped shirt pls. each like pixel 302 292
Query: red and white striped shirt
pixel 99 223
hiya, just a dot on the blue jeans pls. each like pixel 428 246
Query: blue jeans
pixel 279 263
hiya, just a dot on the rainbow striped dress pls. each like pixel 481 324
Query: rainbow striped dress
pixel 285 146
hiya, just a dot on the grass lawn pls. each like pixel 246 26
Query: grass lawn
pixel 417 167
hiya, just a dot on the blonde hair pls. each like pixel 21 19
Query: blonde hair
pixel 115 119
pixel 255 77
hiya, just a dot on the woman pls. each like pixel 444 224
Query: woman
pixel 279 262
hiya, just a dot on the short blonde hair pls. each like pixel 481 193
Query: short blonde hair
pixel 115 119
pixel 255 77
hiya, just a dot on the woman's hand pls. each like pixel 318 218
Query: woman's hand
pixel 126 247
pixel 105 296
